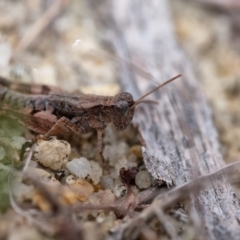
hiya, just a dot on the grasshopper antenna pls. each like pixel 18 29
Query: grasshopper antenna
pixel 155 89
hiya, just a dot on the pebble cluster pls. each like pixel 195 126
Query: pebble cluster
pixel 75 178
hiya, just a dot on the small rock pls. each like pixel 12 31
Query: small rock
pixel 70 180
pixel 109 221
pixel 131 157
pixel 68 196
pixel 82 188
pixel 143 179
pixel 114 153
pixel 43 176
pixel 96 172
pixel 83 168
pixel 124 163
pixel 136 150
pixel 107 198
pixel 24 233
pixel 95 198
pixel 106 182
pixel 79 167
pixel 101 217
pixel 119 190
pixel 86 150
pixel 53 153
pixel 40 201
pixel 134 189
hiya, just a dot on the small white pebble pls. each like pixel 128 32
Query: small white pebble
pixel 114 153
pixel 100 217
pixel 83 189
pixel 24 233
pixel 107 197
pixel 95 197
pixel 143 179
pixel 134 189
pixel 70 180
pixel 96 172
pixel 110 220
pixel 120 164
pixel 106 182
pixel 79 167
pixel 124 163
pixel 119 190
pixel 52 154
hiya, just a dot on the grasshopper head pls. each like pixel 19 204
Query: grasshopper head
pixel 124 105
pixel 122 113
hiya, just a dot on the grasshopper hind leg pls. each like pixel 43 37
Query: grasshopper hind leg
pixel 63 125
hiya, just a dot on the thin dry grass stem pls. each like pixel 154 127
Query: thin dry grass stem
pixel 148 195
pixel 31 215
pixel 28 160
pixel 81 207
pixel 62 218
pixel 39 26
pixel 166 199
pixel 121 207
pixel 162 201
pixel 198 224
pixel 197 184
pixel 27 214
pixel 51 198
pixel 32 220
pixel 167 223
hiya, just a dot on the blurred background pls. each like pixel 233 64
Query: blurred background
pixel 60 43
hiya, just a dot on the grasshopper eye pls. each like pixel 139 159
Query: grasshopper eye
pixel 121 107
pixel 126 96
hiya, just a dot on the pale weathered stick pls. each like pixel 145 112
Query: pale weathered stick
pixel 180 139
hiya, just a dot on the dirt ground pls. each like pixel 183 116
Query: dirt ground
pixel 69 52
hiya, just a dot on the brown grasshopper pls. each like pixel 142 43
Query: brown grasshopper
pixel 50 111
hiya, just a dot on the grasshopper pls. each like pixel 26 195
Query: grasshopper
pixel 50 111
